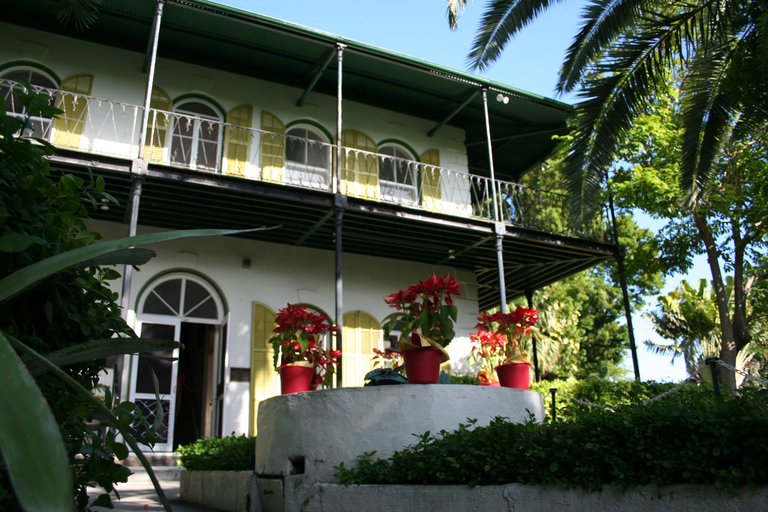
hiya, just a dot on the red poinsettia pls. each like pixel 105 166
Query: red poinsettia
pixel 426 306
pixel 513 326
pixel 299 337
pixel 488 352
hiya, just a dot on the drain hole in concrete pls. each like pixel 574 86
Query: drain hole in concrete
pixel 297 465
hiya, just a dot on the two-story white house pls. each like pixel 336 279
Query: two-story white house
pixel 377 168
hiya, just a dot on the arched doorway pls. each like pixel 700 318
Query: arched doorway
pixel 186 308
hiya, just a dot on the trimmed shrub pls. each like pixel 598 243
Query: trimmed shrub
pixel 674 441
pixel 230 453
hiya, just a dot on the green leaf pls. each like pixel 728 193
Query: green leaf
pixel 17 242
pixel 130 256
pixel 103 501
pixel 21 279
pixel 30 440
pixel 98 405
pixel 554 467
pixel 96 349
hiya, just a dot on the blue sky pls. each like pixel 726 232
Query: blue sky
pixel 419 28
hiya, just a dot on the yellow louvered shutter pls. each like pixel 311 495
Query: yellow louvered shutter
pixel 238 140
pixel 359 171
pixel 156 145
pixel 431 192
pixel 264 381
pixel 272 156
pixel 69 126
pixel 361 333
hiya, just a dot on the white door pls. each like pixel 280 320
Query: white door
pixel 160 367
pixel 184 308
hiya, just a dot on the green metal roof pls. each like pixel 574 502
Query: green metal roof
pixel 232 40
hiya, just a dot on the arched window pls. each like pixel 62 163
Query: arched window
pixel 308 157
pixel 10 81
pixel 196 136
pixel 397 175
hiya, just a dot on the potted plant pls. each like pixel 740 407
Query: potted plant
pixel 515 369
pixel 488 352
pixel 425 317
pixel 298 355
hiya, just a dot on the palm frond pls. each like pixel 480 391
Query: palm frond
pixel 82 13
pixel 708 117
pixel 627 76
pixel 500 22
pixel 455 8
pixel 604 22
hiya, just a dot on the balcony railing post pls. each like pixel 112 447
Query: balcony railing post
pixel 339 204
pixel 150 77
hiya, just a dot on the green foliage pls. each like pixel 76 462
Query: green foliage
pixel 606 392
pixel 41 217
pixel 230 453
pixel 58 309
pixel 674 441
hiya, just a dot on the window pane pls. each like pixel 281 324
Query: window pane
pixel 162 368
pixel 198 302
pixel 295 147
pixel 170 292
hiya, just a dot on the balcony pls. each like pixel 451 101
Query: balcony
pixel 184 140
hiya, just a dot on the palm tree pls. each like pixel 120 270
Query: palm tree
pixel 687 317
pixel 619 58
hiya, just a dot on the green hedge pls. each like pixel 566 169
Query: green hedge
pixel 604 392
pixel 677 440
pixel 230 453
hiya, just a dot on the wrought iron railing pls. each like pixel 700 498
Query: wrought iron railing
pixel 99 126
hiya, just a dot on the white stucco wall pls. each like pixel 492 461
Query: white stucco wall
pixel 281 274
pixel 118 76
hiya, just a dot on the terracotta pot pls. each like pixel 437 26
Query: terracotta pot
pixel 295 378
pixel 422 365
pixel 514 375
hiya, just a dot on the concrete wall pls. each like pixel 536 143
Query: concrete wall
pixel 530 498
pixel 228 491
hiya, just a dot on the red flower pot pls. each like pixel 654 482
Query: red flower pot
pixel 294 379
pixel 422 365
pixel 514 375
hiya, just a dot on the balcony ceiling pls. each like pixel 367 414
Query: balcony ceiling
pixel 181 199
pixel 236 41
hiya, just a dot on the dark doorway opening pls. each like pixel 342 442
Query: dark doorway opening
pixel 193 389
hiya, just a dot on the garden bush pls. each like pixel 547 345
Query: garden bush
pixel 673 441
pixel 230 453
pixel 604 392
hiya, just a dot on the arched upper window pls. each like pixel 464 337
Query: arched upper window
pixel 196 135
pixel 10 80
pixel 398 175
pixel 184 297
pixel 308 157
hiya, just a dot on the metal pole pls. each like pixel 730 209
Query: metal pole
pixel 712 362
pixel 499 227
pixel 536 371
pixel 340 203
pixel 553 391
pixel 151 77
pixel 620 253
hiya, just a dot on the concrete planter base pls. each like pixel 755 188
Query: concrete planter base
pixel 529 498
pixel 227 491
